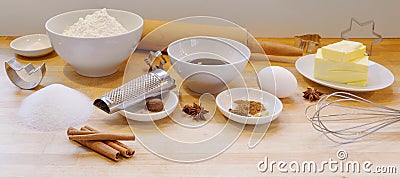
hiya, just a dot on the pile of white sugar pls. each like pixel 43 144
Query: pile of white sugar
pixel 98 24
pixel 55 107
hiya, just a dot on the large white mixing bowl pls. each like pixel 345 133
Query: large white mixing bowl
pixel 95 56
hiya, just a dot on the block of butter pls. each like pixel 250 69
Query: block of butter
pixel 354 72
pixel 344 51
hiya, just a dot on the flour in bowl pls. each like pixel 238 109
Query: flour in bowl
pixel 98 24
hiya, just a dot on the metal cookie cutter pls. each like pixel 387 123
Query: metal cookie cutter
pixel 12 66
pixel 152 57
pixel 309 43
pixel 345 34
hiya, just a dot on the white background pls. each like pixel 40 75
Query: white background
pixel 263 18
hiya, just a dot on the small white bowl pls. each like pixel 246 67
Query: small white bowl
pixel 139 111
pixel 208 78
pixel 225 101
pixel 32 45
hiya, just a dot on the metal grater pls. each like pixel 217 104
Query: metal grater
pixel 148 85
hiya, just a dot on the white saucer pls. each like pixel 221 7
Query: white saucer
pixel 139 111
pixel 225 101
pixel 32 45
pixel 379 77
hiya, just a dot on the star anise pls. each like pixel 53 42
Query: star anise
pixel 196 111
pixel 312 94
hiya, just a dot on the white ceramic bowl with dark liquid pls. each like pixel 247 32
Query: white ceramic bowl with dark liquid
pixel 208 64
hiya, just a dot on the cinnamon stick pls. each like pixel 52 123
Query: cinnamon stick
pixel 101 148
pixel 123 151
pixel 73 131
pixel 129 150
pixel 102 136
pixel 90 128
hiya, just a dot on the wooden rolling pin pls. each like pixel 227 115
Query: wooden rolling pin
pixel 159 39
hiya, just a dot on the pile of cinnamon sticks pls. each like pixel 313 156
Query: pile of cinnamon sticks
pixel 106 144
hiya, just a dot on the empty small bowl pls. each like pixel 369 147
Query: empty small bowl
pixel 35 45
pixel 95 56
pixel 208 64
pixel 225 101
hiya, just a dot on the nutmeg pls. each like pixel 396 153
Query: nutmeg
pixel 154 104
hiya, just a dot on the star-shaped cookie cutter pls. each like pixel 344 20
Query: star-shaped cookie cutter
pixel 344 34
pixel 12 66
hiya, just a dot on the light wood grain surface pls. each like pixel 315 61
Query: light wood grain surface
pixel 29 153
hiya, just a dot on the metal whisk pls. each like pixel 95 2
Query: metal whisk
pixel 344 118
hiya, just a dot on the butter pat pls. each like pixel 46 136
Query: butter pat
pixel 344 51
pixel 353 72
pixel 356 65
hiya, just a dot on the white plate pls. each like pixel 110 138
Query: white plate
pixel 32 45
pixel 379 77
pixel 139 111
pixel 225 101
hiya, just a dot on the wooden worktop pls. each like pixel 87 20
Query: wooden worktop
pixel 29 153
